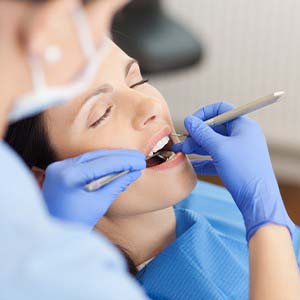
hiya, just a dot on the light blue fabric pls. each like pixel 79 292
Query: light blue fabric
pixel 43 259
pixel 201 263
pixel 209 258
pixel 216 204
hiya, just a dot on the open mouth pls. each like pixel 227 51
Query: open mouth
pixel 161 153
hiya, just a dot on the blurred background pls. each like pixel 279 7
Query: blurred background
pixel 201 51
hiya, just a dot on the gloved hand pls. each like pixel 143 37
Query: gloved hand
pixel 63 187
pixel 241 159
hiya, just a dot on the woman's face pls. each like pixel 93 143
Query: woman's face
pixel 121 111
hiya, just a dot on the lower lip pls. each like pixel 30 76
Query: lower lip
pixel 171 163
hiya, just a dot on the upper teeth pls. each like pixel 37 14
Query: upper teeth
pixel 160 144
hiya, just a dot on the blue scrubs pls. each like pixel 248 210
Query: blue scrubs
pixel 209 258
pixel 41 258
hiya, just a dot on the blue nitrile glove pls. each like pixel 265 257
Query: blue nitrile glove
pixel 63 187
pixel 241 159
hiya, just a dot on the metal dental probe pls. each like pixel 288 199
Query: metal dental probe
pixel 98 183
pixel 240 111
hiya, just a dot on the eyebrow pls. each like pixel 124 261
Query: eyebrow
pixel 104 88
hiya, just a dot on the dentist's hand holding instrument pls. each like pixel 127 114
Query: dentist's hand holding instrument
pixel 250 181
pixel 63 188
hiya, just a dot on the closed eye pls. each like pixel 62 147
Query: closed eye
pixel 101 119
pixel 108 110
pixel 139 83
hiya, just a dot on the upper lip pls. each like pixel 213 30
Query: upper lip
pixel 165 131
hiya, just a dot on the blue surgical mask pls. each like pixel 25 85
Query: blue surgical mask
pixel 43 96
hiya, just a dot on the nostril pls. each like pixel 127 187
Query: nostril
pixel 149 120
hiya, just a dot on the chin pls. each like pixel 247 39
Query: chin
pixel 155 190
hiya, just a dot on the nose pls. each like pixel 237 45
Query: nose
pixel 146 111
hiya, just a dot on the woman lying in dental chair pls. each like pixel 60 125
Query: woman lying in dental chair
pixel 195 250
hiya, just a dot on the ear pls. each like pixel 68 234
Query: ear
pixel 44 20
pixel 39 175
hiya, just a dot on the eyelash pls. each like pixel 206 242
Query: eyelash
pixel 108 110
pixel 139 83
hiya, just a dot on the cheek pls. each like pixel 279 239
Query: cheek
pixel 166 113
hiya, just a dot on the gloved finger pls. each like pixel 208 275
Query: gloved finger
pixel 177 147
pixel 221 129
pixel 98 200
pixel 241 125
pixel 204 167
pixel 213 110
pixel 95 169
pixel 189 146
pixel 202 134
pixel 119 185
pixel 92 155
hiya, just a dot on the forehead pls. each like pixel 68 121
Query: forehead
pixel 111 71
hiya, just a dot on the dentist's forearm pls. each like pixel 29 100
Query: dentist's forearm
pixel 274 272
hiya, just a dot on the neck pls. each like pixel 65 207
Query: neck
pixel 142 236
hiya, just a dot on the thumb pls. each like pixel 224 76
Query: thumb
pixel 203 134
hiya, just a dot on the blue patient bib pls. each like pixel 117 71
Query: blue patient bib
pixel 209 258
pixel 201 263
pixel 217 206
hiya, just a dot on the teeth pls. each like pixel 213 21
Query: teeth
pixel 160 144
pixel 166 155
